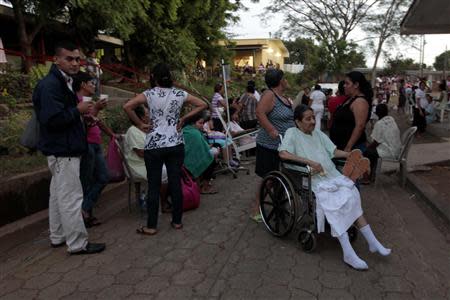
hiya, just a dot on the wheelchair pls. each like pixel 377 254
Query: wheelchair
pixel 287 202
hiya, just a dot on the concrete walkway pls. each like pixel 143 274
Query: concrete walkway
pixel 222 254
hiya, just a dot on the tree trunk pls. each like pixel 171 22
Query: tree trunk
pixel 25 43
pixel 377 56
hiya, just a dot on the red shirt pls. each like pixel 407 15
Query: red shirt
pixel 334 102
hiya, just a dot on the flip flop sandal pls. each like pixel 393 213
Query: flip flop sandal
pixel 362 167
pixel 257 218
pixel 209 192
pixel 176 226
pixel 95 222
pixel 143 232
pixel 352 160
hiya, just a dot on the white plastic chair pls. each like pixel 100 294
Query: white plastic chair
pixel 406 139
pixel 120 142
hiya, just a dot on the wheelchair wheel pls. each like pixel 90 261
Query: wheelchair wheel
pixel 307 240
pixel 352 233
pixel 277 203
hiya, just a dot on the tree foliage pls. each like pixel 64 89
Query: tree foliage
pixel 88 17
pixel 174 31
pixel 383 22
pixel 399 65
pixel 85 18
pixel 179 31
pixel 329 22
pixel 440 61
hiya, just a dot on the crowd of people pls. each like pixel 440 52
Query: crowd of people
pixel 163 139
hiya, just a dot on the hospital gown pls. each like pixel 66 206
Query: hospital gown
pixel 337 198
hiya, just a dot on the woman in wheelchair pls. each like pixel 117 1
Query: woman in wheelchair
pixel 337 198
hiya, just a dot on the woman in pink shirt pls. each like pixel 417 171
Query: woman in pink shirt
pixel 93 169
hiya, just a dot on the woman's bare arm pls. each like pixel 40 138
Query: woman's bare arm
pixel 129 109
pixel 285 155
pixel 264 107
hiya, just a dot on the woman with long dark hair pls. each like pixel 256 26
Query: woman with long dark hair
pixel 164 142
pixel 349 122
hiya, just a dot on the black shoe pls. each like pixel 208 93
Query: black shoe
pixel 91 248
pixel 57 245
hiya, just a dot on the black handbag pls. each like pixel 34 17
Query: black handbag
pixel 31 134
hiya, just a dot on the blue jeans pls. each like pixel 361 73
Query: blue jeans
pixel 94 175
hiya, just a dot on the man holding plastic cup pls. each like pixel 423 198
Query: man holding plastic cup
pixel 63 140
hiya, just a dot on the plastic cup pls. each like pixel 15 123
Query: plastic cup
pixel 104 97
pixel 87 99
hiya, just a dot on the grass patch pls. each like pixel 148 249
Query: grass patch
pixel 21 164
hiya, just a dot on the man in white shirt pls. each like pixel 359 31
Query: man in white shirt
pixel 386 142
pixel 317 100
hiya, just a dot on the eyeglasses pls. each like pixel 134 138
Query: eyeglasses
pixel 72 58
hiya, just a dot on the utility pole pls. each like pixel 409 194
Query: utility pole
pixel 445 62
pixel 422 54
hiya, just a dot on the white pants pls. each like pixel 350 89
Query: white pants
pixel 318 113
pixel 64 208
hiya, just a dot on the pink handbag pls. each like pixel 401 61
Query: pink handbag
pixel 114 162
pixel 191 191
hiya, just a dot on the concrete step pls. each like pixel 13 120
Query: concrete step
pixel 116 92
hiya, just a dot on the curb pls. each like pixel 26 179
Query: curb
pixel 106 208
pixel 430 195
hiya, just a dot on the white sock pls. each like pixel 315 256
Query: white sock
pixel 350 256
pixel 374 244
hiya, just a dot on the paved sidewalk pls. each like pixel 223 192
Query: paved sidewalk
pixel 222 254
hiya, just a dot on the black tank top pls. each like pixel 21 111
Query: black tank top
pixel 343 125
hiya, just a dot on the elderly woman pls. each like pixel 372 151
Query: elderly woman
pixel 337 198
pixel 275 115
pixel 349 121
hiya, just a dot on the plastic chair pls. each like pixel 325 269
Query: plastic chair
pixel 406 139
pixel 120 142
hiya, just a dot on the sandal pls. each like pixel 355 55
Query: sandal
pixel 257 218
pixel 143 231
pixel 91 222
pixel 176 226
pixel 210 191
pixel 352 160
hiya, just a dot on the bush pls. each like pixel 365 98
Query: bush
pixel 11 130
pixel 116 119
pixel 15 84
pixel 37 73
